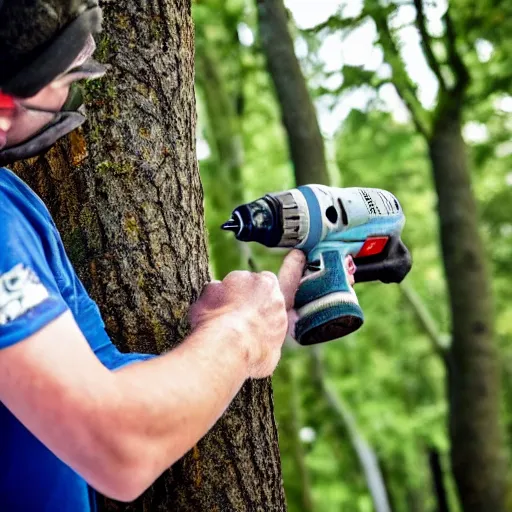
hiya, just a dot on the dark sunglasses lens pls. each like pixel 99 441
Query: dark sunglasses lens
pixel 74 100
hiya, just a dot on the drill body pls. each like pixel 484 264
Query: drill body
pixel 329 224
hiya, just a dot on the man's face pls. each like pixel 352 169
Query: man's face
pixel 31 115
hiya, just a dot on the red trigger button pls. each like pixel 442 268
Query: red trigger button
pixel 373 246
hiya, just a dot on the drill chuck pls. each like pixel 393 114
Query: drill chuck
pixel 275 220
pixel 259 221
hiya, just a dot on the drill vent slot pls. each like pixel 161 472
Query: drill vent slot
pixel 344 216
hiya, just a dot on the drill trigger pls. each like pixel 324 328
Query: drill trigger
pixel 314 266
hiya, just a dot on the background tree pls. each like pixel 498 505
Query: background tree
pixel 310 166
pixel 389 374
pixel 471 361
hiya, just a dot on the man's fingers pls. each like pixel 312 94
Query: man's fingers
pixel 290 275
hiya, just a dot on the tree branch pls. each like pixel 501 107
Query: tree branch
pixel 401 80
pixel 335 23
pixel 457 64
pixel 365 453
pixel 426 44
pixel 290 426
pixel 426 320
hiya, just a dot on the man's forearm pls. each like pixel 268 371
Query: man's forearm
pixel 120 430
pixel 164 406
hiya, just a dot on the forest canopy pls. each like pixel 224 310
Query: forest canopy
pixel 403 92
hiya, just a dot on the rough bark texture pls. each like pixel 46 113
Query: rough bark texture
pixel 128 200
pixel 477 449
pixel 299 116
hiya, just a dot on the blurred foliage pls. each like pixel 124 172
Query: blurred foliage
pixel 387 374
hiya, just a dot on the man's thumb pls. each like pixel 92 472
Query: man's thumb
pixel 290 275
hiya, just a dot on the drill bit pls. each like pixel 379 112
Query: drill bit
pixel 231 225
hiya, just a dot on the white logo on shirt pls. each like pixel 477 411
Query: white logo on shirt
pixel 20 291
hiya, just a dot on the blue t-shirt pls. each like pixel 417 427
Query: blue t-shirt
pixel 37 285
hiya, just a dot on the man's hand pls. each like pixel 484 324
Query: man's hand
pixel 259 306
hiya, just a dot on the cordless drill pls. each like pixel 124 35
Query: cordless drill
pixel 329 224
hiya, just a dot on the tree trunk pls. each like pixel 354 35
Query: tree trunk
pixel 310 165
pixel 477 448
pixel 128 200
pixel 477 445
pixel 299 116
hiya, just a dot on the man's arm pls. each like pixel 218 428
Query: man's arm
pixel 121 430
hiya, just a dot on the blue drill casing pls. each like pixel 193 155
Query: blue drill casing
pixel 330 224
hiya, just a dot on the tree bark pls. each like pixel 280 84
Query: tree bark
pixel 127 197
pixel 477 448
pixel 298 112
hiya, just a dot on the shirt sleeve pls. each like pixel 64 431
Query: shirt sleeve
pixel 29 296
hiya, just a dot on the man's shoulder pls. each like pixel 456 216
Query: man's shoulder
pixel 11 183
pixel 17 200
pixel 8 192
pixel 8 178
pixel 24 220
pixel 29 295
pixel 11 201
pixel 10 187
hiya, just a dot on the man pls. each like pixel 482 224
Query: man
pixel 77 416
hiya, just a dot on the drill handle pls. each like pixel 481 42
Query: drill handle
pixel 326 303
pixel 390 266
